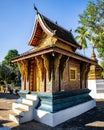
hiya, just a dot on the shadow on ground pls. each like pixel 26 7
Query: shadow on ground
pixel 8 96
pixel 91 120
pixel 3 121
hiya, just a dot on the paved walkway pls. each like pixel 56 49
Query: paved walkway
pixel 91 120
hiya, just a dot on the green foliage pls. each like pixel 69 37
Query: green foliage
pixel 81 37
pixel 4 72
pixel 93 16
pixel 90 16
pixel 92 19
pixel 7 60
pixel 101 52
pixel 8 70
pixel 7 73
pixel 102 65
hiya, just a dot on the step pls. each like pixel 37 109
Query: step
pixel 20 111
pixel 24 106
pixel 28 101
pixel 28 116
pixel 14 105
pixel 31 96
pixel 15 117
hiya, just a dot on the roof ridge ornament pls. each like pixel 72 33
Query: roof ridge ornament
pixel 35 8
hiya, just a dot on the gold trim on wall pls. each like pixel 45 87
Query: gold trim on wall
pixel 40 64
pixel 73 73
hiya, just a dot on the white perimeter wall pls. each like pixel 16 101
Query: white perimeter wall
pixel 97 88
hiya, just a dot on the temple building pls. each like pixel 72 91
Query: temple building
pixel 53 76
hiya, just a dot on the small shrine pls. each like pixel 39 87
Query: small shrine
pixel 95 80
pixel 53 75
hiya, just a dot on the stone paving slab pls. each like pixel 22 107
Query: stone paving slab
pixel 91 120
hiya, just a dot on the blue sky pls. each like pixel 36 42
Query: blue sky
pixel 17 19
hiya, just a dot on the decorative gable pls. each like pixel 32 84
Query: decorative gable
pixel 45 40
pixel 46 33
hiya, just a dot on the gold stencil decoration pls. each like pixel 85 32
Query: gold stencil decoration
pixel 45 40
pixel 56 63
pixel 53 40
pixel 46 58
pixel 40 64
pixel 23 67
pixel 26 69
pixel 32 63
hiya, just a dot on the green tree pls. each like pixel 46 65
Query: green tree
pixel 4 72
pixel 9 71
pixel 92 19
pixel 100 45
pixel 102 65
pixel 81 37
pixel 7 59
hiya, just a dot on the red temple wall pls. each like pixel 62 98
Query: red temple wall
pixel 67 83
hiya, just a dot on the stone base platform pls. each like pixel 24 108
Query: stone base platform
pixel 55 108
pixel 53 119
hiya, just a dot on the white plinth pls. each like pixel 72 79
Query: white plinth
pixel 95 84
pixel 53 119
pixel 92 87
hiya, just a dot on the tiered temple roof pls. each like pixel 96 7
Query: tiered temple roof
pixel 52 29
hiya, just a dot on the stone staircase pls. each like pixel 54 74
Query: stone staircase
pixel 23 112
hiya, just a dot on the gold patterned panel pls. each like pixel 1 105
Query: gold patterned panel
pixel 95 72
pixel 53 40
pixel 40 64
pixel 37 79
pixel 45 40
pixel 23 67
pixel 26 68
pixel 46 58
pixel 31 69
pixel 56 63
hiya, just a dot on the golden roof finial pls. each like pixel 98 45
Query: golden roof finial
pixel 93 56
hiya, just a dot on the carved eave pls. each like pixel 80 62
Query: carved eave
pixel 52 49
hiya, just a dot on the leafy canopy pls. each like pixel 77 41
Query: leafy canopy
pixel 92 19
pixel 8 70
pixel 81 37
pixel 7 59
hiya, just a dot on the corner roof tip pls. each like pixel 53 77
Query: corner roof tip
pixel 36 9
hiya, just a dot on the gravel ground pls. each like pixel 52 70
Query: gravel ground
pixel 91 120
